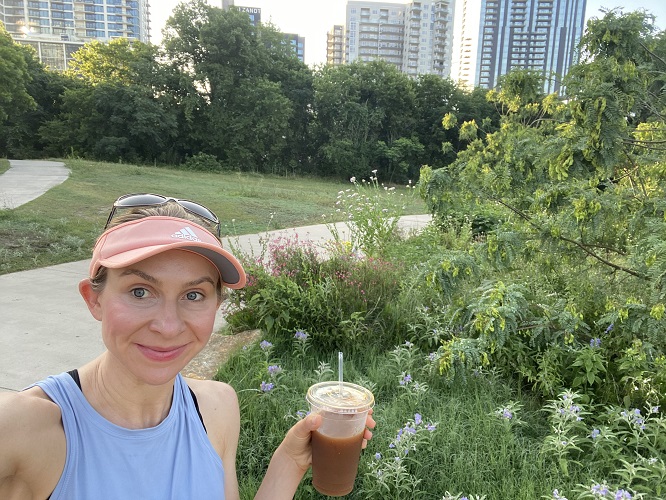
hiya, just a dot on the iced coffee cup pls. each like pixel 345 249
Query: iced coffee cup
pixel 336 445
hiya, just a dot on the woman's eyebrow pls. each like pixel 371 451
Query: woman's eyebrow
pixel 204 279
pixel 141 274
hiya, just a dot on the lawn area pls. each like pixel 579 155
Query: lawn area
pixel 61 226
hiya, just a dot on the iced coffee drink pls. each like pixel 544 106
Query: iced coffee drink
pixel 336 445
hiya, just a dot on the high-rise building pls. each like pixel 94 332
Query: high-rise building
pixel 335 45
pixel 57 28
pixel 295 42
pixel 415 37
pixel 495 36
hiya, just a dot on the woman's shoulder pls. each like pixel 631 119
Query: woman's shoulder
pixel 33 441
pixel 211 389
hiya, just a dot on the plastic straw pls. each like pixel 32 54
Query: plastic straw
pixel 340 371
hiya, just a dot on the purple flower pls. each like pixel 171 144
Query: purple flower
pixel 621 494
pixel 595 342
pixel 417 419
pixel 410 430
pixel 408 344
pixel 300 335
pixel 506 413
pixel 392 445
pixel 406 379
pixel 599 489
pixel 432 356
pixel 610 327
pixel 378 456
pixel 274 370
pixel 267 386
pixel 431 427
pixel 265 345
pixel 557 496
pixel 595 433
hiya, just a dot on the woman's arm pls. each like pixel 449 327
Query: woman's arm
pixel 293 458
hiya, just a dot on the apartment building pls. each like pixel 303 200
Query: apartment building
pixel 416 37
pixel 57 28
pixel 335 45
pixel 495 36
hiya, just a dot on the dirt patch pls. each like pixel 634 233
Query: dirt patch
pixel 205 365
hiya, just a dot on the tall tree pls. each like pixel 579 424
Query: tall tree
pixel 14 79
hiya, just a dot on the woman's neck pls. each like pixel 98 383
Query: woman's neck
pixel 121 398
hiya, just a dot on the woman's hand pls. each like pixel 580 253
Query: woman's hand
pixel 297 443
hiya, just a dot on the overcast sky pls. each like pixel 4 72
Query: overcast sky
pixel 313 18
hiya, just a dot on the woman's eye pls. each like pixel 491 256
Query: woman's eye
pixel 193 296
pixel 139 293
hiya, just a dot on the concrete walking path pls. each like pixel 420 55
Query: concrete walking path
pixel 29 179
pixel 46 327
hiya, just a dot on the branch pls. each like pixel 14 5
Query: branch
pixel 580 245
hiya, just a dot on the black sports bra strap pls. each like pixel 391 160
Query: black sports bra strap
pixel 75 375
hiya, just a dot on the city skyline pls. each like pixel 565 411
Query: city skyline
pixel 299 16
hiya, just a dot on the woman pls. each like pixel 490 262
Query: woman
pixel 126 425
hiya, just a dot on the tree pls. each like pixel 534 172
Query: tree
pixel 119 61
pixel 14 79
pixel 254 92
pixel 576 187
pixel 365 107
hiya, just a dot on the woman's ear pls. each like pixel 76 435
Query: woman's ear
pixel 91 298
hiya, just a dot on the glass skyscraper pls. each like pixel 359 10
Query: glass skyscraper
pixel 57 28
pixel 495 36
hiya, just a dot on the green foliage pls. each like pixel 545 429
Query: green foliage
pixel 202 162
pixel 372 211
pixel 564 285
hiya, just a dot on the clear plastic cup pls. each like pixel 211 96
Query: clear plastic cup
pixel 336 445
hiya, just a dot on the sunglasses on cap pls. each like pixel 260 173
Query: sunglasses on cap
pixel 147 200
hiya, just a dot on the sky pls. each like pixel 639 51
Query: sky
pixel 312 19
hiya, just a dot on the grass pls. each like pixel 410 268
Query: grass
pixel 4 165
pixel 471 452
pixel 61 226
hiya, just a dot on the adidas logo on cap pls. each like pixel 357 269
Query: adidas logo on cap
pixel 186 234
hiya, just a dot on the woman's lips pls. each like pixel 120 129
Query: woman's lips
pixel 161 353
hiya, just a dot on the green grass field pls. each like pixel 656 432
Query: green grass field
pixel 61 226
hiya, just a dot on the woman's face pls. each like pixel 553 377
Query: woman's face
pixel 158 314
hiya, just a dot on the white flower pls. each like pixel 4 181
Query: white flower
pixel 374 171
pixel 353 180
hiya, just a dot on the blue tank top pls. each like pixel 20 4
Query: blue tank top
pixel 173 460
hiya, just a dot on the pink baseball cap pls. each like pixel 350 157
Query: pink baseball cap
pixel 133 241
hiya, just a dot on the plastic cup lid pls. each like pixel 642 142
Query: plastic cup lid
pixel 352 399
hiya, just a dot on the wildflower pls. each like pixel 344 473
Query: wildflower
pixel 417 419
pixel 599 489
pixel 557 496
pixel 300 414
pixel 610 327
pixel 353 180
pixel 378 456
pixel 408 344
pixel 620 494
pixel 595 342
pixel 300 335
pixel 406 379
pixel 410 430
pixel 392 445
pixel 654 409
pixel 595 433
pixel 265 345
pixel 374 171
pixel 431 427
pixel 506 413
pixel 274 370
pixel 432 356
pixel 267 386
